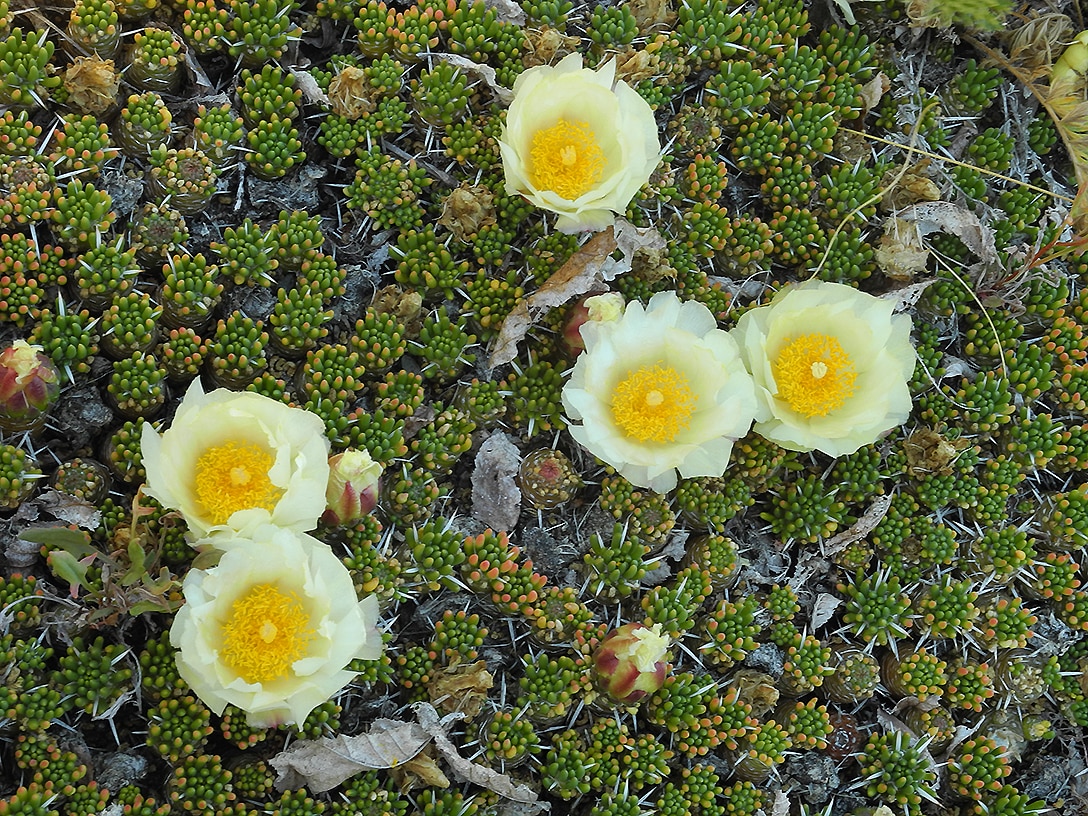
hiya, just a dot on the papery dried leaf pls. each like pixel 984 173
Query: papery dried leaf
pixel 466 769
pixel 508 11
pixel 324 763
pixel 873 91
pixel 496 499
pixel 484 72
pixel 461 687
pixel 944 216
pixel 906 296
pixel 421 771
pixel 585 272
pixel 860 528
pixel 312 92
pixel 581 274
pixel 781 805
pixel 823 610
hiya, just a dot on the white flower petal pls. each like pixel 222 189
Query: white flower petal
pixel 683 337
pixel 341 628
pixel 622 123
pixel 293 437
pixel 876 341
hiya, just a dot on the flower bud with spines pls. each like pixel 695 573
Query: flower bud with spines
pixel 29 385
pixel 631 662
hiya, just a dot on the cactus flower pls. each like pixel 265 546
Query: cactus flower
pixel 29 385
pixel 578 142
pixel 631 662
pixel 353 486
pixel 274 627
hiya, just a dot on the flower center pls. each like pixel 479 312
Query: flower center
pixel 814 375
pixel 566 159
pixel 653 403
pixel 268 631
pixel 233 477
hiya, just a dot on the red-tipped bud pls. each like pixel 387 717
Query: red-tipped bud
pixel 608 306
pixel 353 486
pixel 29 385
pixel 631 662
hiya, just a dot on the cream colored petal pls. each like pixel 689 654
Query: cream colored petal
pixel 586 221
pixel 708 459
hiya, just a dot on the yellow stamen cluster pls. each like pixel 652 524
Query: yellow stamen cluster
pixel 653 404
pixel 814 374
pixel 268 631
pixel 232 477
pixel 566 159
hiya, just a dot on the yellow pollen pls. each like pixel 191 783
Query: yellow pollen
pixel 233 477
pixel 565 159
pixel 653 404
pixel 814 374
pixel 268 630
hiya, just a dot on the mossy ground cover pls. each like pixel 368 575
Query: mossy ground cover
pixel 307 200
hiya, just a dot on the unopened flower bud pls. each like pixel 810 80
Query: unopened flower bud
pixel 600 308
pixel 353 486
pixel 29 385
pixel 631 662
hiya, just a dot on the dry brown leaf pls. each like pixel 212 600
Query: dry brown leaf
pixel 578 276
pixel 873 91
pixel 324 763
pixel 944 216
pixel 860 528
pixel 585 272
pixel 496 499
pixel 461 687
pixel 466 769
pixel 421 771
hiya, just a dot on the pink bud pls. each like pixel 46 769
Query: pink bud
pixel 608 306
pixel 353 486
pixel 631 662
pixel 29 385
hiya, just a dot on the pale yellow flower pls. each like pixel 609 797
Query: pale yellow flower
pixel 658 391
pixel 578 142
pixel 272 627
pixel 234 459
pixel 831 366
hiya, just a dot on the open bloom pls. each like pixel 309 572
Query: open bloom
pixel 233 459
pixel 578 142
pixel 658 391
pixel 273 626
pixel 831 366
